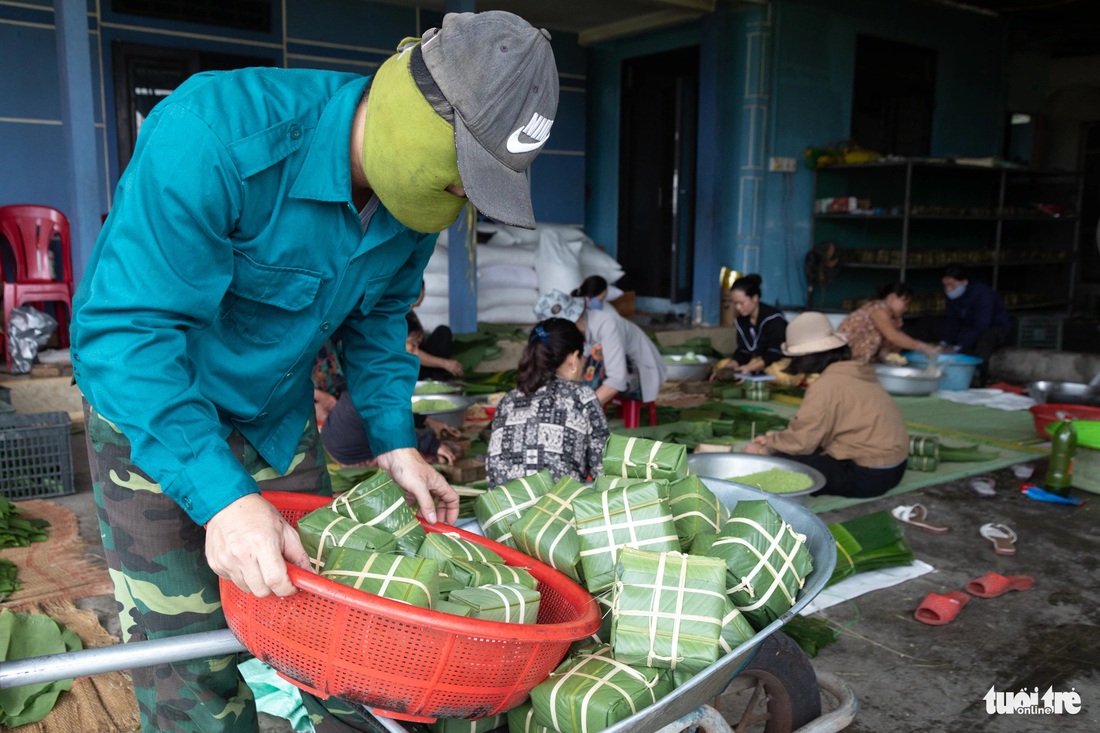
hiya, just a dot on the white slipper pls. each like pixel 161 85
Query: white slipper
pixel 1002 537
pixel 916 516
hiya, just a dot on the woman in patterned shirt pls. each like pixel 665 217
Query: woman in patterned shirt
pixel 874 330
pixel 550 420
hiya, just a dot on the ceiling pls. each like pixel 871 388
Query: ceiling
pixel 1060 28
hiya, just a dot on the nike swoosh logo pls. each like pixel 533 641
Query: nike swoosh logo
pixel 515 146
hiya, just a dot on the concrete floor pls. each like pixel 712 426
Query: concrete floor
pixel 908 676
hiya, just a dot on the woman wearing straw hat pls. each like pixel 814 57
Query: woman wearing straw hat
pixel 848 427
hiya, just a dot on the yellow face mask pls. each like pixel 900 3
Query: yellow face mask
pixel 409 151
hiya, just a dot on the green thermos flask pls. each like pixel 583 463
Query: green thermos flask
pixel 1062 449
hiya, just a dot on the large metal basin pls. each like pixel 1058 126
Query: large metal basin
pixel 904 380
pixel 725 466
pixel 1066 393
pixel 454 416
pixel 680 368
pixel 429 387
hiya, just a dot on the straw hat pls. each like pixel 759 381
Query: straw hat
pixel 811 333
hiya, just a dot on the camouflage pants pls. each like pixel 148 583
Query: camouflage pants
pixel 164 587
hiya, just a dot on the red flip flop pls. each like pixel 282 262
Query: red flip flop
pixel 937 610
pixel 992 585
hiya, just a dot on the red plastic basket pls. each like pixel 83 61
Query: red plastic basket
pixel 1043 415
pixel 404 661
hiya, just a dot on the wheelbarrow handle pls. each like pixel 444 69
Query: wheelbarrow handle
pixel 52 667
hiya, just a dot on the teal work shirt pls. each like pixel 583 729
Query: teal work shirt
pixel 232 251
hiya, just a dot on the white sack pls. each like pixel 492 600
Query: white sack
pixel 517 298
pixel 506 276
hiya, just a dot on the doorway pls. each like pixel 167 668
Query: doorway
pixel 144 75
pixel 657 157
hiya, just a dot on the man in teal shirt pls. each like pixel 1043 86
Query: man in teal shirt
pixel 261 209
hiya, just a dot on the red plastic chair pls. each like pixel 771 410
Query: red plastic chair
pixel 30 229
pixel 631 411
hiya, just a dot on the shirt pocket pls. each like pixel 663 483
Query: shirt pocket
pixel 264 300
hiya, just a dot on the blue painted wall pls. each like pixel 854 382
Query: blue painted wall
pixel 344 35
pixel 758 220
pixel 809 64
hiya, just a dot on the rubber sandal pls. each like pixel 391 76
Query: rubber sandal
pixel 992 585
pixel 916 515
pixel 1002 537
pixel 937 610
pixel 984 486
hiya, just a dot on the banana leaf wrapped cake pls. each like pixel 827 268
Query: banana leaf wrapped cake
pixel 412 580
pixel 594 691
pixel 631 457
pixel 634 516
pixel 322 530
pixel 515 604
pixel 380 502
pixel 668 609
pixel 444 546
pixel 547 530
pixel 472 574
pixel 499 508
pixel 695 509
pixel 766 559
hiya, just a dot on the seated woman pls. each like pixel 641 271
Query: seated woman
pixel 594 292
pixel 621 358
pixel 874 330
pixel 434 350
pixel 848 427
pixel 760 329
pixel 345 437
pixel 550 420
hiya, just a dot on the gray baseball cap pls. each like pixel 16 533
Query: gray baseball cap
pixel 497 74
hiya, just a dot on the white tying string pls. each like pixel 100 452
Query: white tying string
pixel 764 561
pixel 386 578
pixel 614 667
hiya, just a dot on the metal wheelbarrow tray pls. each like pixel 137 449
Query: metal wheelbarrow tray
pixel 681 702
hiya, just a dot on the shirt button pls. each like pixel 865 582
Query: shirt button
pixel 289 375
pixel 186 503
pixel 326 326
pixel 262 414
pixel 295 132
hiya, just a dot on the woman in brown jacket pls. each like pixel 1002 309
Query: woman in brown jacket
pixel 848 427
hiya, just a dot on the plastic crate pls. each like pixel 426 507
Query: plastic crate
pixel 1039 332
pixel 36 457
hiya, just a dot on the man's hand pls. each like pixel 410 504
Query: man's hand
pixel 423 485
pixel 249 543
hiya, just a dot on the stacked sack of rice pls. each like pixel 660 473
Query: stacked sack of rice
pixel 682 579
pixel 514 267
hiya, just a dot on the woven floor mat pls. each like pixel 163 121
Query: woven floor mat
pixel 56 569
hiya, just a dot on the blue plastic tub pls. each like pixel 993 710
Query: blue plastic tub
pixel 958 369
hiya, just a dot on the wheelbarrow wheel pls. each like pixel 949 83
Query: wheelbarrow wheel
pixel 776 692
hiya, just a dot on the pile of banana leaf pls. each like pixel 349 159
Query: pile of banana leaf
pixel 17 531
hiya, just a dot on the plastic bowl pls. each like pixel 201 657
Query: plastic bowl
pixel 404 661
pixel 1044 415
pixel 958 369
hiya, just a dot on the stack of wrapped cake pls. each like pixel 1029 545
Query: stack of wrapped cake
pixel 369 539
pixel 681 578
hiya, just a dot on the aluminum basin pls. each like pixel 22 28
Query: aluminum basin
pixel 1065 393
pixel 904 380
pixel 725 466
pixel 687 369
pixel 455 416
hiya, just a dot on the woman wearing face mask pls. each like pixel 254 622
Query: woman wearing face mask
pixel 594 292
pixel 622 359
pixel 550 420
pixel 874 330
pixel 760 328
pixel 977 320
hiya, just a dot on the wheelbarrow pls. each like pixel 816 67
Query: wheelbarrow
pixel 766 680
